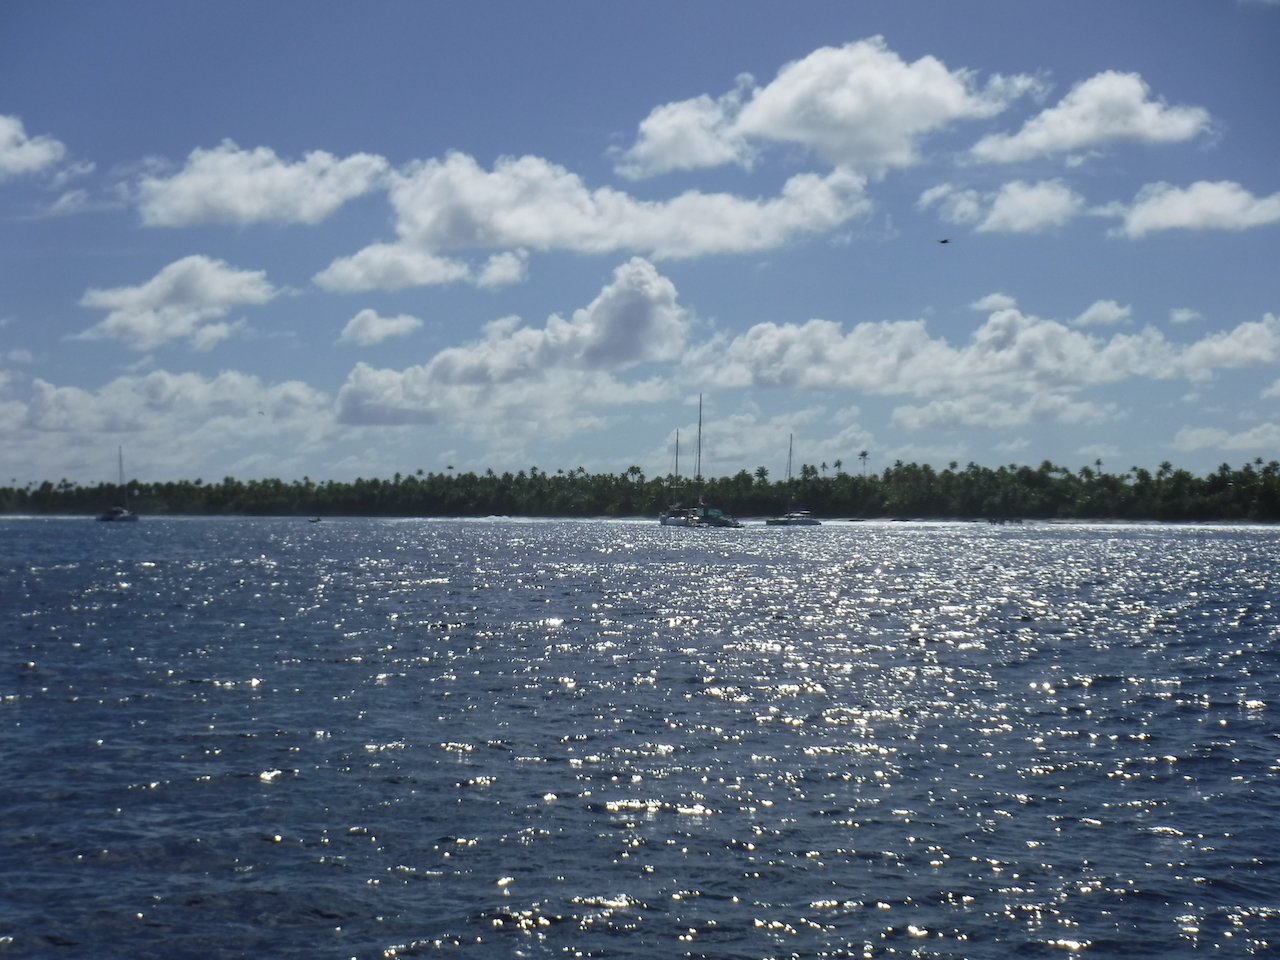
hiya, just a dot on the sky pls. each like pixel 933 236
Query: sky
pixel 336 240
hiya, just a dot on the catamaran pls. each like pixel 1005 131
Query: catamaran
pixel 700 515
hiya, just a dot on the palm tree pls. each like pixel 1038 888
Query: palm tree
pixel 863 457
pixel 762 474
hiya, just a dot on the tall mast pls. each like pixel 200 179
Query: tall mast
pixel 791 493
pixel 677 453
pixel 123 488
pixel 698 462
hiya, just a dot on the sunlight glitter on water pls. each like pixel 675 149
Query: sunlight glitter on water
pixel 564 738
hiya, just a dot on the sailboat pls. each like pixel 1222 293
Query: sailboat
pixel 121 513
pixel 793 517
pixel 676 515
pixel 701 515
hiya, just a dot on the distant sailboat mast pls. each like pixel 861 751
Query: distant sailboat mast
pixel 124 490
pixel 697 471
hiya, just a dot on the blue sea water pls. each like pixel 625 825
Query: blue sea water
pixel 270 738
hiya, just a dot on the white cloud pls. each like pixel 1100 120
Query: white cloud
pixel 1183 315
pixel 1271 391
pixel 21 154
pixel 689 135
pixel 176 302
pixel 1201 206
pixel 531 204
pixel 1110 107
pixel 503 269
pixel 859 105
pixel 367 328
pixel 993 301
pixel 518 378
pixel 169 424
pixel 73 171
pixel 1262 438
pixel 977 410
pixel 1015 368
pixel 230 185
pixel 162 401
pixel 1031 207
pixel 389 266
pixel 955 205
pixel 1103 312
pixel 1017 207
pixel 71 202
pixel 211 334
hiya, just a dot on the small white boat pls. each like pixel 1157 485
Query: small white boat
pixel 796 518
pixel 792 518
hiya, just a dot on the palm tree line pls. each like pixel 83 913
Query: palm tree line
pixel 903 490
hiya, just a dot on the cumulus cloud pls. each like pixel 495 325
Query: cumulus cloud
pixel 1183 315
pixel 389 266
pixel 21 154
pixel 531 204
pixel 366 328
pixel 1110 107
pixel 954 205
pixel 1015 368
pixel 1031 207
pixel 518 377
pixel 859 105
pixel 689 135
pixel 1103 312
pixel 993 301
pixel 176 303
pixel 1017 207
pixel 1202 206
pixel 503 269
pixel 1263 438
pixel 231 185
pixel 185 422
pixel 989 412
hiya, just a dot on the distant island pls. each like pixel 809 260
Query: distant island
pixel 904 490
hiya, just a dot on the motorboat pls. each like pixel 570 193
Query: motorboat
pixel 711 517
pixel 792 518
pixel 118 515
pixel 796 518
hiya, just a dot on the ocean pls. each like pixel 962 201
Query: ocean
pixel 367 738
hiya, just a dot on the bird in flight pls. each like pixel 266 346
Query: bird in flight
pixel 944 241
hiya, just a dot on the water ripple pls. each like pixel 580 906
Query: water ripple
pixel 372 738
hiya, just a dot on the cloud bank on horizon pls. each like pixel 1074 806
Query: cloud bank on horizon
pixel 830 157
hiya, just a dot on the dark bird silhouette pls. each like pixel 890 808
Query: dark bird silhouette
pixel 944 241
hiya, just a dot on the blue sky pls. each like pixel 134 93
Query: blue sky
pixel 334 240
